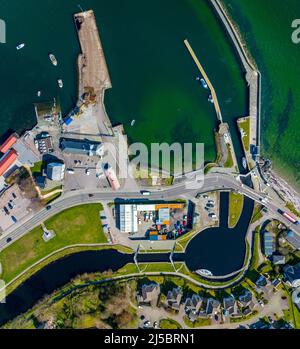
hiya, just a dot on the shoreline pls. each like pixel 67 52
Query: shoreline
pixel 290 192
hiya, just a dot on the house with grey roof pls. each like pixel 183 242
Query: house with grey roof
pixel 292 275
pixel 246 299
pixel 213 307
pixel 174 298
pixel 230 306
pixel 261 281
pixel 293 239
pixel 278 259
pixel 192 306
pixel 149 294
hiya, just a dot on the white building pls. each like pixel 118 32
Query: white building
pixel 128 218
pixel 56 171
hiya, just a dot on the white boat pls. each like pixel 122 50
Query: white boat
pixel 20 46
pixel 203 83
pixel 60 83
pixel 132 122
pixel 53 59
pixel 39 93
pixel 244 163
pixel 210 99
pixel 204 272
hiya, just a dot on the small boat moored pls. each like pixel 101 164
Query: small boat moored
pixel 203 83
pixel 18 47
pixel 53 59
pixel 132 122
pixel 210 99
pixel 244 163
pixel 204 272
pixel 39 93
pixel 60 83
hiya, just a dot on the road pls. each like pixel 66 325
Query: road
pixel 212 182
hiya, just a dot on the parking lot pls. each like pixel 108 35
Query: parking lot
pixel 208 208
pixel 14 207
pixel 83 172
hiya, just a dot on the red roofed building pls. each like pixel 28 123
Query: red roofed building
pixel 7 160
pixel 11 140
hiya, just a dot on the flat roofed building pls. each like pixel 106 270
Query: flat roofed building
pixel 81 147
pixel 164 215
pixel 128 218
pixel 145 207
pixel 56 171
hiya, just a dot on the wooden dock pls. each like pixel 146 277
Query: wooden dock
pixel 212 90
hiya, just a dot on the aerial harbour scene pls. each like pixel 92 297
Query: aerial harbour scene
pixel 149 165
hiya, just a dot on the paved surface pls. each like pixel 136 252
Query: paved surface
pixel 212 182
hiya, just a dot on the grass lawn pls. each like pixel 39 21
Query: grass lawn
pixel 236 203
pixel 292 208
pixel 257 213
pixel 292 314
pixel 36 170
pixel 245 126
pixel 77 225
pixel 256 246
pixel 229 161
pixel 198 323
pixel 169 324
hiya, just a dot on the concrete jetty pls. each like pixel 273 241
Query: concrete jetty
pixel 212 90
pixel 92 68
pixel 253 78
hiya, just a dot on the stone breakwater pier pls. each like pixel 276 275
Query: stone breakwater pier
pixel 92 67
pixel 253 78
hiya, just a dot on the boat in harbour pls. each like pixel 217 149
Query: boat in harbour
pixel 39 93
pixel 210 99
pixel 203 83
pixel 204 272
pixel 53 59
pixel 60 83
pixel 132 122
pixel 18 47
pixel 244 162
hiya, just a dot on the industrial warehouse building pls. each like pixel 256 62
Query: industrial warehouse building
pixel 128 214
pixel 56 171
pixel 128 218
pixel 81 147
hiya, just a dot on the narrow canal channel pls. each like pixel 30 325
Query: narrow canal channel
pixel 220 250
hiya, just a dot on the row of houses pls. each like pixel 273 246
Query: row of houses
pixel 196 306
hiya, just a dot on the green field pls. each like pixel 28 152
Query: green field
pixel 236 203
pixel 169 324
pixel 77 225
pixel 245 126
pixel 229 162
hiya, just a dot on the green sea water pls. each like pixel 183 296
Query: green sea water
pixel 152 73
pixel 266 27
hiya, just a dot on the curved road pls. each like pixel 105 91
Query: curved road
pixel 212 182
